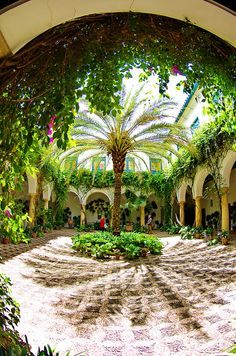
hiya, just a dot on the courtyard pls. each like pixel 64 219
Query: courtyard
pixel 182 302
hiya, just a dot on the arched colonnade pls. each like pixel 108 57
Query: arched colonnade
pixel 227 193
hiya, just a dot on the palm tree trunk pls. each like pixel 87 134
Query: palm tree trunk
pixel 117 202
pixel 118 159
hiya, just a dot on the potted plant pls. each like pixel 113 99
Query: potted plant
pixel 224 237
pixel 129 226
pixel 207 233
pixel 198 232
pixel 5 240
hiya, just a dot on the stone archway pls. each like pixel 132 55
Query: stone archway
pixel 97 204
pixel 232 198
pixel 210 203
pixel 189 209
pixel 41 16
pixel 73 206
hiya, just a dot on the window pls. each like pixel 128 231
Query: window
pixel 99 164
pixel 155 165
pixel 195 125
pixel 129 164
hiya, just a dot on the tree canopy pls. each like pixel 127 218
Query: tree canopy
pixel 141 127
pixel 90 56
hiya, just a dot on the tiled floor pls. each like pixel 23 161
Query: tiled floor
pixel 180 303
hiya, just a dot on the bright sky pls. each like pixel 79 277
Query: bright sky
pixel 152 83
pixel 177 95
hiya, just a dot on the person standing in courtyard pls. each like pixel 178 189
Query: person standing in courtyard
pixel 149 224
pixel 102 223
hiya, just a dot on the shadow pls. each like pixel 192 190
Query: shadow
pixel 9 251
pixel 173 288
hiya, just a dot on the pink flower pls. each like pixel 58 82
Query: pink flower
pixel 51 140
pixel 53 118
pixel 8 213
pixel 49 132
pixel 50 125
pixel 175 70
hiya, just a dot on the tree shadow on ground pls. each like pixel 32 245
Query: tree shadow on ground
pixel 176 286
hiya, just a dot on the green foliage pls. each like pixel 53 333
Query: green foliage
pixel 187 233
pixel 209 144
pixel 10 342
pixel 104 245
pixel 146 182
pixel 172 229
pixel 12 224
pixel 213 242
pixel 232 349
pixel 9 308
pixel 115 44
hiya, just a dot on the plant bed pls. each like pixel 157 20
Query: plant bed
pixel 129 245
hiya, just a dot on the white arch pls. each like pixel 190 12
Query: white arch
pixel 108 192
pixel 75 191
pixel 227 165
pixel 199 180
pixel 181 192
pixel 42 15
pixel 32 184
pixel 47 190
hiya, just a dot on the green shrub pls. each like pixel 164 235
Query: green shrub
pixel 213 242
pixel 130 245
pixel 173 229
pixel 186 233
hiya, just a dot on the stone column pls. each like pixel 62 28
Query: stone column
pixel 142 215
pixel 32 203
pixel 198 211
pixel 45 201
pixel 82 215
pixel 181 212
pixel 225 209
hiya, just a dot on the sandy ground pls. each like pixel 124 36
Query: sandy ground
pixel 180 303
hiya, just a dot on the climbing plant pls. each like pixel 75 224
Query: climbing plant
pixel 41 84
pixel 90 56
pixel 211 142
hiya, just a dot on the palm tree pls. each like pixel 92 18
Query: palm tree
pixel 140 126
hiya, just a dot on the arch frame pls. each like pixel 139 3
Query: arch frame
pixel 42 16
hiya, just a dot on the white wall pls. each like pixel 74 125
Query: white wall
pixel 73 203
pixel 210 200
pixel 232 187
pixel 93 217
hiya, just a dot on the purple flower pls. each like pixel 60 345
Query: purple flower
pixel 51 140
pixel 49 132
pixel 175 70
pixel 8 213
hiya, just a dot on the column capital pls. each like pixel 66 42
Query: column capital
pixel 32 194
pixel 224 190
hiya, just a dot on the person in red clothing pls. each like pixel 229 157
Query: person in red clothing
pixel 102 223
